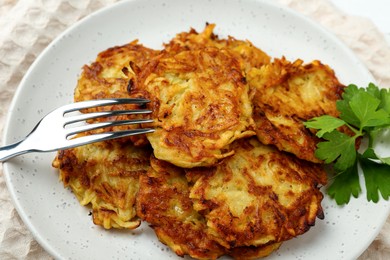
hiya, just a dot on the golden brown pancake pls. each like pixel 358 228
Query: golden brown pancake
pixel 254 252
pixel 112 75
pixel 106 176
pixel 200 104
pixel 164 203
pixel 245 52
pixel 288 94
pixel 257 196
pixel 109 75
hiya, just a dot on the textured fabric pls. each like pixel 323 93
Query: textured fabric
pixel 27 27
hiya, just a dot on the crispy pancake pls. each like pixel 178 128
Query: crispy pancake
pixel 200 104
pixel 258 196
pixel 105 175
pixel 111 75
pixel 164 202
pixel 247 54
pixel 254 252
pixel 288 94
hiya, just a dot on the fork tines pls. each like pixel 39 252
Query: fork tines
pixel 103 102
pixel 75 124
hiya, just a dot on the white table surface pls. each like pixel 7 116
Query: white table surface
pixel 376 10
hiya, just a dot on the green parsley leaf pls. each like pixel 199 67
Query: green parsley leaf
pixel 345 184
pixel 366 111
pixel 370 154
pixel 373 90
pixel 349 92
pixel 385 100
pixel 377 178
pixel 325 124
pixel 365 106
pixel 378 137
pixel 339 147
pixel 385 160
pixel 343 107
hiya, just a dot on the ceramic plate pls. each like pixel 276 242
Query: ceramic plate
pixel 63 227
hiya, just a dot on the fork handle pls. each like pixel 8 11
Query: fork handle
pixel 12 150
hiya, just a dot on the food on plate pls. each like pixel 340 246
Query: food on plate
pixel 252 252
pixel 257 196
pixel 200 104
pixel 230 168
pixel 287 94
pixel 164 201
pixel 105 175
pixel 111 76
pixel 366 113
pixel 248 55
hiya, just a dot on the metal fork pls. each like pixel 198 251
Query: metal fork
pixel 56 130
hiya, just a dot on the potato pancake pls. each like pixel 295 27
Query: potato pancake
pixel 258 196
pixel 109 75
pixel 112 75
pixel 253 252
pixel 288 94
pixel 245 52
pixel 163 201
pixel 200 104
pixel 105 175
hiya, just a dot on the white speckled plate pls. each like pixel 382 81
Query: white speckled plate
pixel 63 227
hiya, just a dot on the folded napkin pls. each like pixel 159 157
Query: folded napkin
pixel 27 27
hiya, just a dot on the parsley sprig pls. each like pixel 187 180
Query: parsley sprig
pixel 366 112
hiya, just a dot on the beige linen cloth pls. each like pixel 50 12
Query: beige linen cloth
pixel 28 26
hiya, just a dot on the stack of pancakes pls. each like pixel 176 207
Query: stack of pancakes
pixel 230 168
